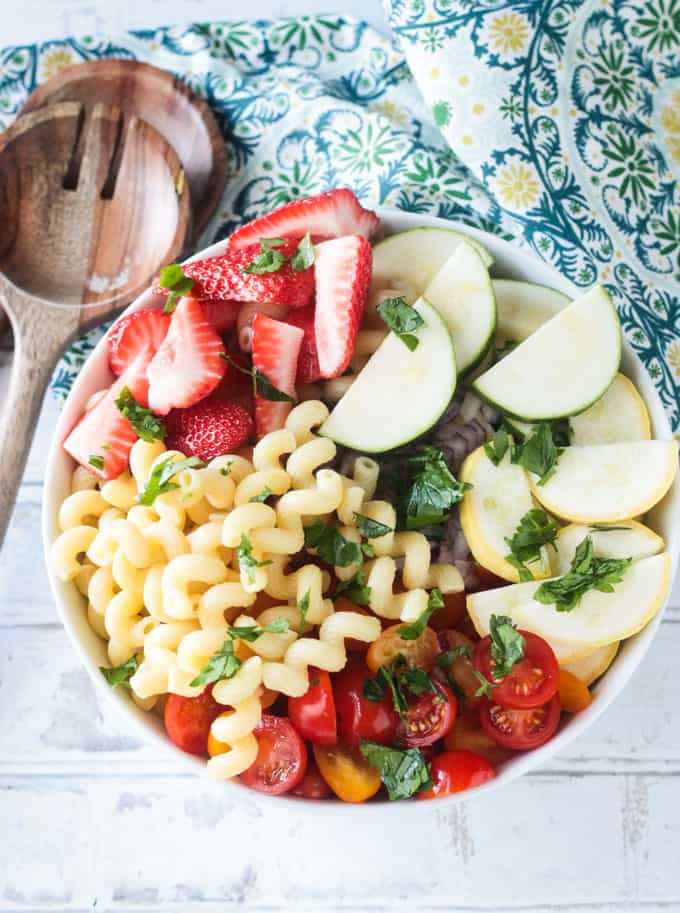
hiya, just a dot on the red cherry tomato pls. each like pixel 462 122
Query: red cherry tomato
pixel 456 771
pixel 188 720
pixel 428 718
pixel 359 718
pixel 313 714
pixel 520 730
pixel 532 681
pixel 281 758
pixel 312 785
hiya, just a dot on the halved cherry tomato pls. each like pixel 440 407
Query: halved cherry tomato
pixel 188 720
pixel 450 613
pixel 313 714
pixel 419 653
pixel 312 785
pixel 359 718
pixel 467 735
pixel 456 771
pixel 428 718
pixel 347 772
pixel 532 681
pixel 281 757
pixel 520 730
pixel 574 694
pixel 461 671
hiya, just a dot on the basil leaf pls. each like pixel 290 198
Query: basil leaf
pixel 403 773
pixel 485 686
pixel 496 448
pixel 261 383
pixel 303 608
pixel 374 690
pixel 354 589
pixel 535 530
pixel 120 675
pixel 263 495
pixel 415 630
pixel 433 490
pixel 304 255
pixel 221 665
pixel 146 425
pixel 174 279
pixel 269 260
pixel 507 645
pixel 370 529
pixel 246 562
pixel 160 483
pixel 539 454
pixel 96 460
pixel 402 319
pixel 587 572
pixel 331 545
pixel 448 658
pixel 250 633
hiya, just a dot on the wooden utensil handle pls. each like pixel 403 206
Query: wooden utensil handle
pixel 39 337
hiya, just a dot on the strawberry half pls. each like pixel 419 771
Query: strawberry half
pixel 308 361
pixel 276 347
pixel 223 278
pixel 208 429
pixel 343 275
pixel 327 215
pixel 189 364
pixel 103 433
pixel 132 333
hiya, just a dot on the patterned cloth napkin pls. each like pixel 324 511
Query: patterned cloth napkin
pixel 552 121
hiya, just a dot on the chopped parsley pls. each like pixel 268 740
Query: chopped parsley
pixel 485 686
pixel 354 589
pixel 497 447
pixel 587 572
pixel 539 453
pixel 535 530
pixel 303 608
pixel 160 482
pixel 225 664
pixel 402 319
pixel 120 675
pixel 144 422
pixel 403 773
pixel 415 630
pixel 174 279
pixel 370 529
pixel 507 646
pixel 250 633
pixel 448 657
pixel 304 255
pixel 400 681
pixel 246 561
pixel 331 546
pixel 432 492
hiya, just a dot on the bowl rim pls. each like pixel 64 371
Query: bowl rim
pixel 142 723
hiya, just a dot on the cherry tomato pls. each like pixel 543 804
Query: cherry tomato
pixel 451 612
pixel 281 758
pixel 347 772
pixel 428 718
pixel 359 718
pixel 419 653
pixel 486 580
pixel 532 681
pixel 188 720
pixel 456 771
pixel 313 714
pixel 574 694
pixel 312 785
pixel 466 626
pixel 461 671
pixel 520 730
pixel 467 735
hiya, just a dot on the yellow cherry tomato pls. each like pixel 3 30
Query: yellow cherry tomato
pixel 574 694
pixel 347 772
pixel 419 653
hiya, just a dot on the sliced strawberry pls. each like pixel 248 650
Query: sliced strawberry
pixel 222 314
pixel 235 386
pixel 189 364
pixel 276 347
pixel 343 274
pixel 308 361
pixel 131 333
pixel 208 429
pixel 102 432
pixel 329 215
pixel 223 278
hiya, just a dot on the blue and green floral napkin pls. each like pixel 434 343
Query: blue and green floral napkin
pixel 555 122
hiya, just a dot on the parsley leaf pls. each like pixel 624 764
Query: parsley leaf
pixel 263 495
pixel 160 479
pixel 303 608
pixel 587 572
pixel 400 681
pixel 370 529
pixel 96 460
pixel 535 530
pixel 354 589
pixel 539 453
pixel 331 545
pixel 402 319
pixel 269 260
pixel 497 447
pixel 415 630
pixel 261 383
pixel 177 282
pixel 246 562
pixel 250 633
pixel 304 255
pixel 146 425
pixel 507 645
pixel 446 659
pixel 433 492
pixel 485 686
pixel 120 675
pixel 404 773
pixel 221 665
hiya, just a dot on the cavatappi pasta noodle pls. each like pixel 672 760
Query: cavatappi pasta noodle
pixel 165 580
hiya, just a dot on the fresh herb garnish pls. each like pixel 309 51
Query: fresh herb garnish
pixel 96 460
pixel 354 589
pixel 120 675
pixel 507 645
pixel 160 483
pixel 370 529
pixel 535 530
pixel 144 422
pixel 403 773
pixel 261 383
pixel 331 545
pixel 303 608
pixel 485 686
pixel 446 659
pixel 263 495
pixel 539 453
pixel 304 256
pixel 433 490
pixel 587 572
pixel 246 562
pixel 415 630
pixel 174 279
pixel 497 447
pixel 250 633
pixel 402 319
pixel 602 528
pixel 221 665
pixel 400 681
pixel 269 260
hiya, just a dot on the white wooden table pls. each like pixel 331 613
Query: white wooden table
pixel 90 819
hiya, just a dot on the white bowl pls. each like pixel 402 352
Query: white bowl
pixel 510 263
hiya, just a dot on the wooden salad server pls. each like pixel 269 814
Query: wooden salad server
pixel 92 207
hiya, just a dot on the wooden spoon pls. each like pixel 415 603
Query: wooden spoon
pixel 92 206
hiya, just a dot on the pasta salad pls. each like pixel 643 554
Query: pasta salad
pixel 359 520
